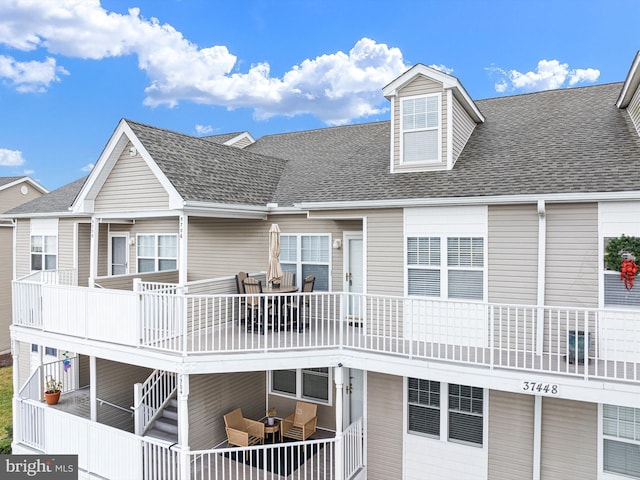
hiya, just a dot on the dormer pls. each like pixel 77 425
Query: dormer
pixel 432 117
pixel 630 95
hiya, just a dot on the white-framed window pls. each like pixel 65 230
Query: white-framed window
pixel 44 252
pixel 457 275
pixel 307 254
pixel 311 384
pixel 157 252
pixel 621 440
pixel 461 405
pixel 420 129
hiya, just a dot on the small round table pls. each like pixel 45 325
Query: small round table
pixel 272 429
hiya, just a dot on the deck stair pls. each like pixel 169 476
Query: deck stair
pixel 165 427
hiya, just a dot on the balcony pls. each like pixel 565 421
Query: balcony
pixel 192 320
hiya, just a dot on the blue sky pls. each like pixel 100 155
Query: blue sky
pixel 71 69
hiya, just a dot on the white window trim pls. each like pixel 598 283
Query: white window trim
pixel 438 128
pixel 601 438
pixel 298 395
pixel 444 416
pixel 299 262
pixel 156 257
pixel 444 267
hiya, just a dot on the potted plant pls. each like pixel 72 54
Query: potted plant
pixel 271 415
pixel 52 390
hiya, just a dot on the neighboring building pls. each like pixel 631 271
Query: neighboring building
pixel 458 254
pixel 13 191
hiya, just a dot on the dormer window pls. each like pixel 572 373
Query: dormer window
pixel 420 129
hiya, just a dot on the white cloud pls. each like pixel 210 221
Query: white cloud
pixel 549 75
pixel 443 69
pixel 28 172
pixel 30 76
pixel 204 129
pixel 10 158
pixel 88 167
pixel 335 87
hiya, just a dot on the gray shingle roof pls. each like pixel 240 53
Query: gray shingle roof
pixel 561 141
pixel 202 170
pixel 56 201
pixel 7 180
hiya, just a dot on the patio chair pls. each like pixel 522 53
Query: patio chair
pixel 243 432
pixel 301 424
pixel 240 277
pixel 300 307
pixel 287 279
pixel 255 305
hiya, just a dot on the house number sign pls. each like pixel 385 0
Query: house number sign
pixel 541 388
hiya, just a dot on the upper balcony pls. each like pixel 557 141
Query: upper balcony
pixel 205 317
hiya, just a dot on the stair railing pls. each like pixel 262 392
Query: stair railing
pixel 151 397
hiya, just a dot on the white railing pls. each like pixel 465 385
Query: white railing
pixel 310 460
pixel 353 441
pixel 52 277
pixel 518 337
pixel 104 451
pixel 151 397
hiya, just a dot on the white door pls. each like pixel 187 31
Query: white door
pixel 119 255
pixel 354 276
pixel 353 396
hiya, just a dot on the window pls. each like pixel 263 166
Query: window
pixel 44 252
pixel 421 129
pixel 306 255
pixel 306 384
pixel 157 252
pixel 458 276
pixel 34 347
pixel 462 406
pixel 51 351
pixel 621 440
pixel 424 406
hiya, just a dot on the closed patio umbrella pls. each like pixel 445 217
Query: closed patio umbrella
pixel 274 272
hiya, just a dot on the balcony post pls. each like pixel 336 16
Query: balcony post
pixel 338 377
pixel 183 424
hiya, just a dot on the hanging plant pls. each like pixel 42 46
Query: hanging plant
pixel 620 255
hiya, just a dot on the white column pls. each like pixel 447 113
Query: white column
pixel 537 436
pixel 93 389
pixel 542 250
pixel 15 349
pixel 183 423
pixel 93 257
pixel 338 377
pixel 183 243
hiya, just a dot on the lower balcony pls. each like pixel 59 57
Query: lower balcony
pixel 208 318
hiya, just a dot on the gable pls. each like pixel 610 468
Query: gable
pixel 17 193
pixel 131 186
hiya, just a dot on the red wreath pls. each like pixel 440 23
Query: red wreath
pixel 628 271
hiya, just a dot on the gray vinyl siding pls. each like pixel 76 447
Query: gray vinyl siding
pixel 326 413
pixel 634 110
pixel 212 396
pixel 463 127
pixel 103 249
pixel 125 282
pixel 131 186
pixel 223 247
pixel 572 255
pixel 241 143
pixel 384 426
pixel 513 254
pixel 569 440
pixel 84 248
pixel 66 243
pixel 385 252
pixel 114 384
pixel 419 86
pixel 24 363
pixel 510 446
pixel 84 373
pixel 6 274
pixel 23 248
pixel 12 196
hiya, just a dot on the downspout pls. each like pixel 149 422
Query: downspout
pixel 537 409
